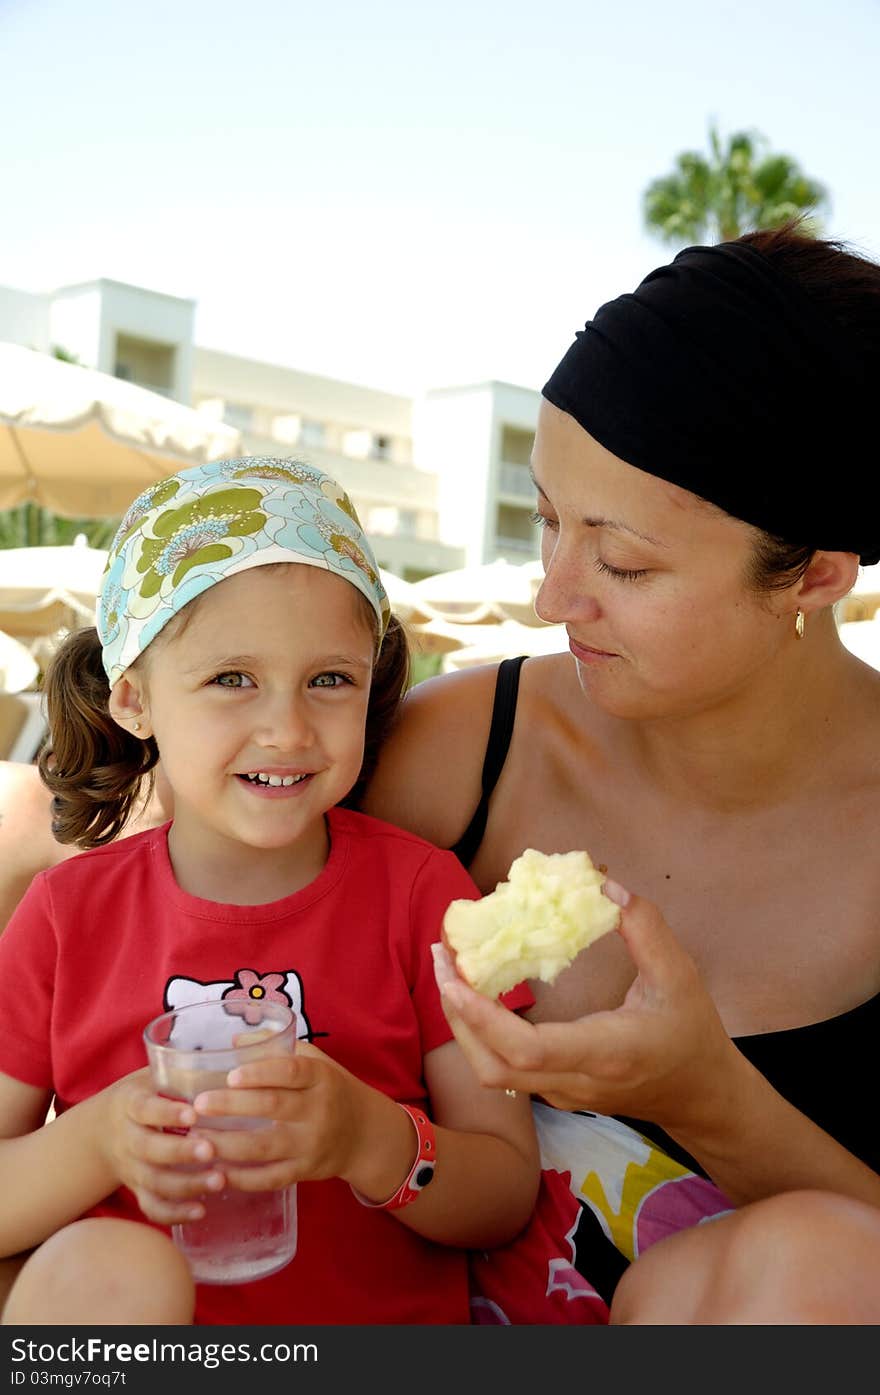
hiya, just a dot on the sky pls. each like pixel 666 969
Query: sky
pixel 399 194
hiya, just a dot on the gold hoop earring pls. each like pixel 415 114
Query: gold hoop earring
pixel 799 624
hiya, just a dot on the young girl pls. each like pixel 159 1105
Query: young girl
pixel 244 633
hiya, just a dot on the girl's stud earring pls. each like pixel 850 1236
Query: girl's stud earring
pixel 137 725
pixel 799 624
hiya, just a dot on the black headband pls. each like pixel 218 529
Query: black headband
pixel 721 375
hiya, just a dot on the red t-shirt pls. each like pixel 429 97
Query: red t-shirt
pixel 104 942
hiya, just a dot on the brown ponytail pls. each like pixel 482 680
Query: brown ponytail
pixel 94 768
pixel 390 679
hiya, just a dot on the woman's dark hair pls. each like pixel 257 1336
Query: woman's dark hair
pixel 844 284
pixel 94 769
pixel 390 679
pixel 846 287
pixel 775 564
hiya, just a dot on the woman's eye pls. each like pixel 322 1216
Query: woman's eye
pixel 330 680
pixel 232 680
pixel 620 573
pixel 542 520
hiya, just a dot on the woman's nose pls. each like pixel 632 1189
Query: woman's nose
pixel 565 595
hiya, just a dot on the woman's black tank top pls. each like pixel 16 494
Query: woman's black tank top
pixel 821 1069
pixel 500 732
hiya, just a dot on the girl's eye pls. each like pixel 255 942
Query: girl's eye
pixel 232 680
pixel 542 520
pixel 330 680
pixel 620 573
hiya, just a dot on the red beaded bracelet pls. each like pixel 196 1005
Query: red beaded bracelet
pixel 422 1170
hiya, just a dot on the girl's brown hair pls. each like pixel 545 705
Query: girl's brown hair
pixel 391 673
pixel 96 770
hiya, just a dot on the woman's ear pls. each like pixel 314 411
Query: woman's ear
pixel 127 707
pixel 829 577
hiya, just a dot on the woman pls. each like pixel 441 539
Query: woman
pixel 27 844
pixel 706 500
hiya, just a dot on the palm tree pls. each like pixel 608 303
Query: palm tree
pixel 736 189
pixel 28 525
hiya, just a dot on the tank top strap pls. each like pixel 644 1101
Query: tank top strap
pixel 500 733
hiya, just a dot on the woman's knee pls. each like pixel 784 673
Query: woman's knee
pixel 797 1258
pixel 103 1271
pixel 10 1268
pixel 809 1257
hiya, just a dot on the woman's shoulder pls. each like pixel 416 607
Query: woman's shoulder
pixel 26 842
pixel 428 776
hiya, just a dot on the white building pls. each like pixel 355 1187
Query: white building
pixel 477 441
pixel 439 482
pixel 360 436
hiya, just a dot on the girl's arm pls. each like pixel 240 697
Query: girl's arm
pixel 662 1056
pixel 488 1168
pixel 327 1123
pixel 49 1173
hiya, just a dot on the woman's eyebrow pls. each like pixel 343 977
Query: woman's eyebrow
pixel 606 522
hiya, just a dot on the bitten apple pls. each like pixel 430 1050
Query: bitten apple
pixel 533 925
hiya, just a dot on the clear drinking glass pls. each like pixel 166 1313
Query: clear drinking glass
pixel 243 1235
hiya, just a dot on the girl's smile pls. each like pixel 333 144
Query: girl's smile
pixel 276 784
pixel 258 704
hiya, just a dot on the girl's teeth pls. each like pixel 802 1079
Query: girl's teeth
pixel 262 778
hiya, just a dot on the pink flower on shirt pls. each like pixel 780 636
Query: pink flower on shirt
pixel 253 989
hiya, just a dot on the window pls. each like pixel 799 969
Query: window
pixel 237 414
pixel 144 361
pixel 516 445
pixel 515 533
pixel 286 429
pixel 383 519
pixel 311 433
pixel 357 444
pixel 390 521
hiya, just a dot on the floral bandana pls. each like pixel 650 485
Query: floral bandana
pixel 195 528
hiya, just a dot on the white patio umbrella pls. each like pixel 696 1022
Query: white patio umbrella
pixel 862 638
pixel 47 589
pixel 504 641
pixel 18 667
pixel 22 721
pixel 405 600
pixel 475 595
pixel 864 599
pixel 439 636
pixel 84 444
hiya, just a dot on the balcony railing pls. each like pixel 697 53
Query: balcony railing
pixel 523 547
pixel 515 480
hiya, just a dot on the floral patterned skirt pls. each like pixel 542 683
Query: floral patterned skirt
pixel 607 1194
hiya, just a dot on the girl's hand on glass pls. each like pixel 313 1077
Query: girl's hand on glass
pixel 663 1055
pixel 314 1123
pixel 152 1151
